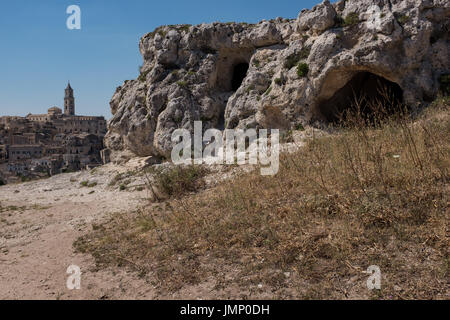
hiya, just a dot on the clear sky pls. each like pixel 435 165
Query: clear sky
pixel 38 54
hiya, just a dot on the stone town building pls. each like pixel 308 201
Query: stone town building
pixel 51 142
pixel 24 152
pixel 68 122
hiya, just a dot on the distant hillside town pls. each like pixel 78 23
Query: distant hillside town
pixel 41 145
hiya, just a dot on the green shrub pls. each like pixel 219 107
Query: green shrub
pixel 250 88
pixel 159 30
pixel 291 61
pixel 182 84
pixel 184 27
pixel 143 76
pixel 180 180
pixel 302 69
pixel 279 81
pixel 351 19
pixel 403 19
pixel 88 184
pixel 84 183
pixel 294 59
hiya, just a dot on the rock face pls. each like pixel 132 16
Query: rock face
pixel 279 73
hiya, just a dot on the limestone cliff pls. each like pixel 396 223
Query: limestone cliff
pixel 279 73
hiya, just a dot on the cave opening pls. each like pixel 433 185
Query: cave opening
pixel 239 74
pixel 369 94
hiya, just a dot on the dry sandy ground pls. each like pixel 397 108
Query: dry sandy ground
pixel 40 220
pixel 38 223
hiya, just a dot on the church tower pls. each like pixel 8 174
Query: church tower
pixel 69 102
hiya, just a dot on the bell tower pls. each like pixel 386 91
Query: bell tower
pixel 69 101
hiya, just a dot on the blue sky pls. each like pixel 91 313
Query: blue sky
pixel 38 54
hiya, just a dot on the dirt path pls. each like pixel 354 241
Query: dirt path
pixel 39 222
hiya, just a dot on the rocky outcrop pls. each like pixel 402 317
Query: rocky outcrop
pixel 279 73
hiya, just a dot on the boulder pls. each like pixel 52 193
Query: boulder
pixel 238 75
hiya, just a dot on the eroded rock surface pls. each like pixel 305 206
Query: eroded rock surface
pixel 237 75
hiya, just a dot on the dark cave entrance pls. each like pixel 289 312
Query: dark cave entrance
pixel 239 74
pixel 370 95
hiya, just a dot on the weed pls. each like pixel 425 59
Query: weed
pixel 302 69
pixel 84 183
pixel 351 19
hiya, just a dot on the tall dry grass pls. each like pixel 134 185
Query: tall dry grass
pixel 369 195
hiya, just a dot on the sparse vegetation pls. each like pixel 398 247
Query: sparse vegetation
pixel 294 59
pixel 182 84
pixel 351 19
pixel 291 61
pixel 250 88
pixel 368 195
pixel 302 69
pixel 159 30
pixel 300 127
pixel 143 76
pixel 304 53
pixel 278 81
pixel 268 91
pixel 403 19
pixel 84 183
pixel 184 27
pixel 88 184
pixel 178 181
pixel 11 208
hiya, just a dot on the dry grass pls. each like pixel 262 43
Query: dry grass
pixel 175 181
pixel 366 196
